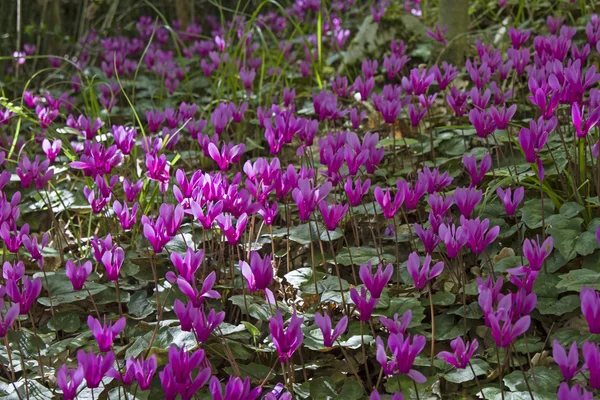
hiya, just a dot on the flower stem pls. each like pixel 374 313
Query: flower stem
pixel 432 327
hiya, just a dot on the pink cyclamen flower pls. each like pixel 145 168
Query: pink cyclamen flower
pixel 454 239
pixel 535 253
pixel 332 214
pixel 567 363
pixel 590 307
pixel 51 149
pixel 378 281
pixel 324 324
pixel 79 273
pixel 365 307
pixel 94 366
pixel 422 275
pixel 27 295
pixel 478 235
pixel 384 199
pixel 574 393
pixel 511 200
pixel 206 291
pixel 286 341
pixel 230 154
pixel 396 326
pixel 428 237
pixel 139 370
pixel 105 334
pixel 439 34
pixel 112 261
pixel 461 353
pixel 403 357
pixel 8 318
pixel 236 389
pixel 376 396
pixel 259 273
pixel 177 377
pixel 467 199
pixel 591 356
pixel 68 380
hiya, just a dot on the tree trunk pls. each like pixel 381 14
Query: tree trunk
pixel 454 14
pixel 185 12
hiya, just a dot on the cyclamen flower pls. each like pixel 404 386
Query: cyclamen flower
pixel 567 363
pixel 8 318
pixel 126 218
pixel 404 354
pixel 590 308
pixel 324 324
pixel 78 274
pixel 428 237
pixel 177 379
pixel 509 200
pixel 307 197
pixel 461 354
pixel 356 190
pixel 112 261
pixel 535 253
pixel 186 266
pixel 30 290
pixel 384 199
pixel 206 291
pixel 203 325
pixel 574 393
pixel 139 370
pixel 378 281
pixel 68 380
pixel 105 334
pixel 124 138
pixel 233 234
pixel 94 366
pixel 158 170
pixel 286 341
pixel 477 174
pixel 591 356
pixel 477 233
pixel 467 199
pixel 230 154
pixel 259 273
pixel 422 275
pixel 365 307
pixel 439 34
pixel 51 149
pixel 376 396
pixel 236 389
pixel 332 215
pixel 433 180
pixel 453 238
pixel 397 327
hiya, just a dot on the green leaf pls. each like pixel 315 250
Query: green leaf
pixel 551 306
pixel 139 306
pixel 361 255
pixel 571 209
pixel 61 289
pixel 440 298
pixel 532 212
pixel 251 328
pixel 68 322
pixel 322 388
pixel 566 235
pixel 547 380
pixel 586 244
pixel 466 375
pixel 494 393
pixel 578 278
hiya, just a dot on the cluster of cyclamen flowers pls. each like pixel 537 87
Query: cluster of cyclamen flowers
pixel 225 204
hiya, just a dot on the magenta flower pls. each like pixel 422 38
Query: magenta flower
pixel 259 273
pixel 439 34
pixel 376 396
pixel 139 370
pixel 230 154
pixel 504 331
pixel 332 215
pixel 503 115
pixel 186 266
pixel 105 334
pixel 112 261
pixel 8 318
pixel 307 196
pixel 461 353
pixel 132 189
pixel 428 237
pixel 30 290
pixel 94 366
pixel 397 327
pixel 126 218
pixel 324 324
pixel 286 341
pixel 87 128
pixel 356 190
pixel 365 307
pixel 584 125
pixel 36 172
pixel 236 389
pixel 477 233
pixel 203 325
pixel 384 199
pixel 433 180
pixel 195 296
pixel 52 150
pixel 453 238
pixel 518 37
pixel 511 200
pixel 158 170
pixel 567 363
pixel 466 199
pixel 535 253
pixel 233 234
pixel 483 122
pixel 574 393
pixel 412 194
pixel 124 138
pixel 68 380
pixel 79 273
pixel 31 245
pixel 213 210
pixel 378 281
pixel 590 307
pixel 403 355
pixel 591 356
pixel 422 275
pixel 176 378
